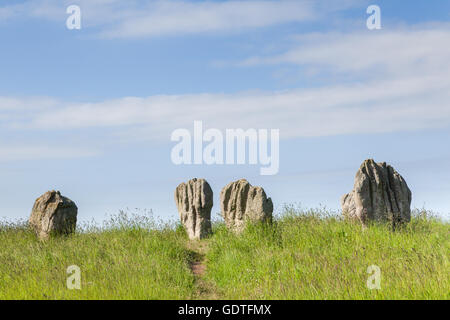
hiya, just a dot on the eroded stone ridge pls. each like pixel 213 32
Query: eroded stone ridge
pixel 241 202
pixel 380 194
pixel 53 214
pixel 194 201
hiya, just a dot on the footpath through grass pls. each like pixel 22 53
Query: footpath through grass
pixel 301 256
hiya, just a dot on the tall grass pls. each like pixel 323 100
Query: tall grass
pixel 313 255
pixel 303 255
pixel 129 257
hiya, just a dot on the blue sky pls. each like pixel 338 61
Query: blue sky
pixel 90 112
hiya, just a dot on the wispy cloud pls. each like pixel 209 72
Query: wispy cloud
pixel 36 152
pixel 400 52
pixel 399 82
pixel 137 19
pixel 177 17
pixel 388 106
pixel 30 103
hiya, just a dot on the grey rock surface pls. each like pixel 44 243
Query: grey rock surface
pixel 194 201
pixel 53 214
pixel 380 194
pixel 241 203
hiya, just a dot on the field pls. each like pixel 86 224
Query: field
pixel 303 255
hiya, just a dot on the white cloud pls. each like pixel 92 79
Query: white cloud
pixel 375 107
pixel 132 18
pixel 19 104
pixel 400 82
pixel 35 152
pixel 398 52
pixel 182 17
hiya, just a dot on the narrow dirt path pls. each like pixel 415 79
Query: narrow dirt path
pixel 205 289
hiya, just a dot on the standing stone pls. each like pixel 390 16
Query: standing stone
pixel 53 214
pixel 194 201
pixel 241 202
pixel 380 194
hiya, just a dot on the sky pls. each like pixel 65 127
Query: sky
pixel 90 111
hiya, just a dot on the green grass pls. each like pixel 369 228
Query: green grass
pixel 309 255
pixel 126 259
pixel 303 255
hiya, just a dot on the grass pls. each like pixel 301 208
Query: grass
pixel 303 255
pixel 125 259
pixel 312 255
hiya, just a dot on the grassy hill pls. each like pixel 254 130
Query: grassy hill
pixel 303 255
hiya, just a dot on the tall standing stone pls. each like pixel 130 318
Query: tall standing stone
pixel 380 194
pixel 53 214
pixel 241 202
pixel 194 201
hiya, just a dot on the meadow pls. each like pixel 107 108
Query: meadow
pixel 304 254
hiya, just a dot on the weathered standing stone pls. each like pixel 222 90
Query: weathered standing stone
pixel 380 194
pixel 194 201
pixel 53 214
pixel 241 202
